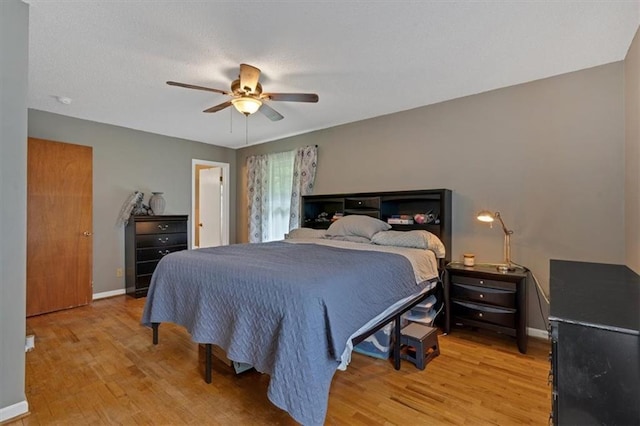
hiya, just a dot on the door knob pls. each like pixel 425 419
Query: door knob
pixel 87 233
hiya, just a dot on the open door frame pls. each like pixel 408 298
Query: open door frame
pixel 225 198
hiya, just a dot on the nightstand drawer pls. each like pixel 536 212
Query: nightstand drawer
pixel 482 282
pixel 488 314
pixel 487 295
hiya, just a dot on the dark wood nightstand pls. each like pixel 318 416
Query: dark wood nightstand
pixel 481 296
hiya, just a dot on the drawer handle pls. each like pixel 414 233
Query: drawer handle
pixel 164 253
pixel 481 281
pixel 164 240
pixel 481 296
pixel 163 227
pixel 480 314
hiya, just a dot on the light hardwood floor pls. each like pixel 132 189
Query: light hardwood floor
pixel 96 365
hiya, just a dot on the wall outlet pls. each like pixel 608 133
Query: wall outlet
pixel 119 272
pixel 30 343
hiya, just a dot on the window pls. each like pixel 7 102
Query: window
pixel 280 179
pixel 275 183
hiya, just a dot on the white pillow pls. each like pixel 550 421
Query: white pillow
pixel 305 233
pixel 412 239
pixel 357 225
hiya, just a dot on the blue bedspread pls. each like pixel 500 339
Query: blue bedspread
pixel 287 309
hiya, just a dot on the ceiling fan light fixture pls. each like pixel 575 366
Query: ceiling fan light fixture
pixel 246 104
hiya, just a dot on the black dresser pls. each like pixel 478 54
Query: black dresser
pixel 595 320
pixel 147 240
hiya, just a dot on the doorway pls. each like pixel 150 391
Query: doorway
pixel 59 226
pixel 209 203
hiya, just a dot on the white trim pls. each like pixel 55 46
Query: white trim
pixel 15 410
pixel 536 332
pixel 106 294
pixel 225 199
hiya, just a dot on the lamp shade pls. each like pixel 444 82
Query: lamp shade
pixel 485 216
pixel 246 104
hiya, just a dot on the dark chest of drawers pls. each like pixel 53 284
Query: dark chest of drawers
pixel 147 240
pixel 595 343
pixel 483 297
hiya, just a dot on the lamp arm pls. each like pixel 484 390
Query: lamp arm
pixel 504 227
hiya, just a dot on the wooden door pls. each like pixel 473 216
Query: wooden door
pixel 59 226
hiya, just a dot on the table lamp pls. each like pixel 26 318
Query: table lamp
pixel 487 216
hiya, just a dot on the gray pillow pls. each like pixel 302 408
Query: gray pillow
pixel 412 239
pixel 357 225
pixel 351 238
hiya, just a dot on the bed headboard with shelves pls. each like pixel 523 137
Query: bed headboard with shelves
pixel 317 211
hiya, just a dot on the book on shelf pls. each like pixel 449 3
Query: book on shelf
pixel 398 221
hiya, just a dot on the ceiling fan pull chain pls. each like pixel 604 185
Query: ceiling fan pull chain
pixel 230 121
pixel 246 130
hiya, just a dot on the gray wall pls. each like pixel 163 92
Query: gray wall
pixel 14 55
pixel 125 160
pixel 548 155
pixel 632 154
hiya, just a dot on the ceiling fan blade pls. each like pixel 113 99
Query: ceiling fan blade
pixel 191 86
pixel 249 76
pixel 271 113
pixel 291 97
pixel 218 107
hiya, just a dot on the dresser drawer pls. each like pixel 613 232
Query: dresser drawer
pixel 157 253
pixel 143 281
pixel 362 203
pixel 145 268
pixel 487 295
pixel 161 240
pixel 488 314
pixel 161 227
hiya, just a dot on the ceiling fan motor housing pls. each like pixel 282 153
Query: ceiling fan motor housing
pixel 239 91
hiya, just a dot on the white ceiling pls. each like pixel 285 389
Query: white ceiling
pixel 364 59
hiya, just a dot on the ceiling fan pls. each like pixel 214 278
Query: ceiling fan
pixel 247 94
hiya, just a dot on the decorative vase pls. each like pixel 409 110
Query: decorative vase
pixel 157 203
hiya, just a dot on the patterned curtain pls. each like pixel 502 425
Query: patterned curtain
pixel 257 197
pixel 304 174
pixel 276 183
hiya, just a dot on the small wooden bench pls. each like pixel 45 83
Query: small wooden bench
pixel 420 344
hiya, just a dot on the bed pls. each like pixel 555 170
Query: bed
pixel 294 309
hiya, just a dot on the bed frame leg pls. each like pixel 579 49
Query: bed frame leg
pixel 154 326
pixel 207 363
pixel 396 344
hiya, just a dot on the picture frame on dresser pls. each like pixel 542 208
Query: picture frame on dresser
pixel 147 240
